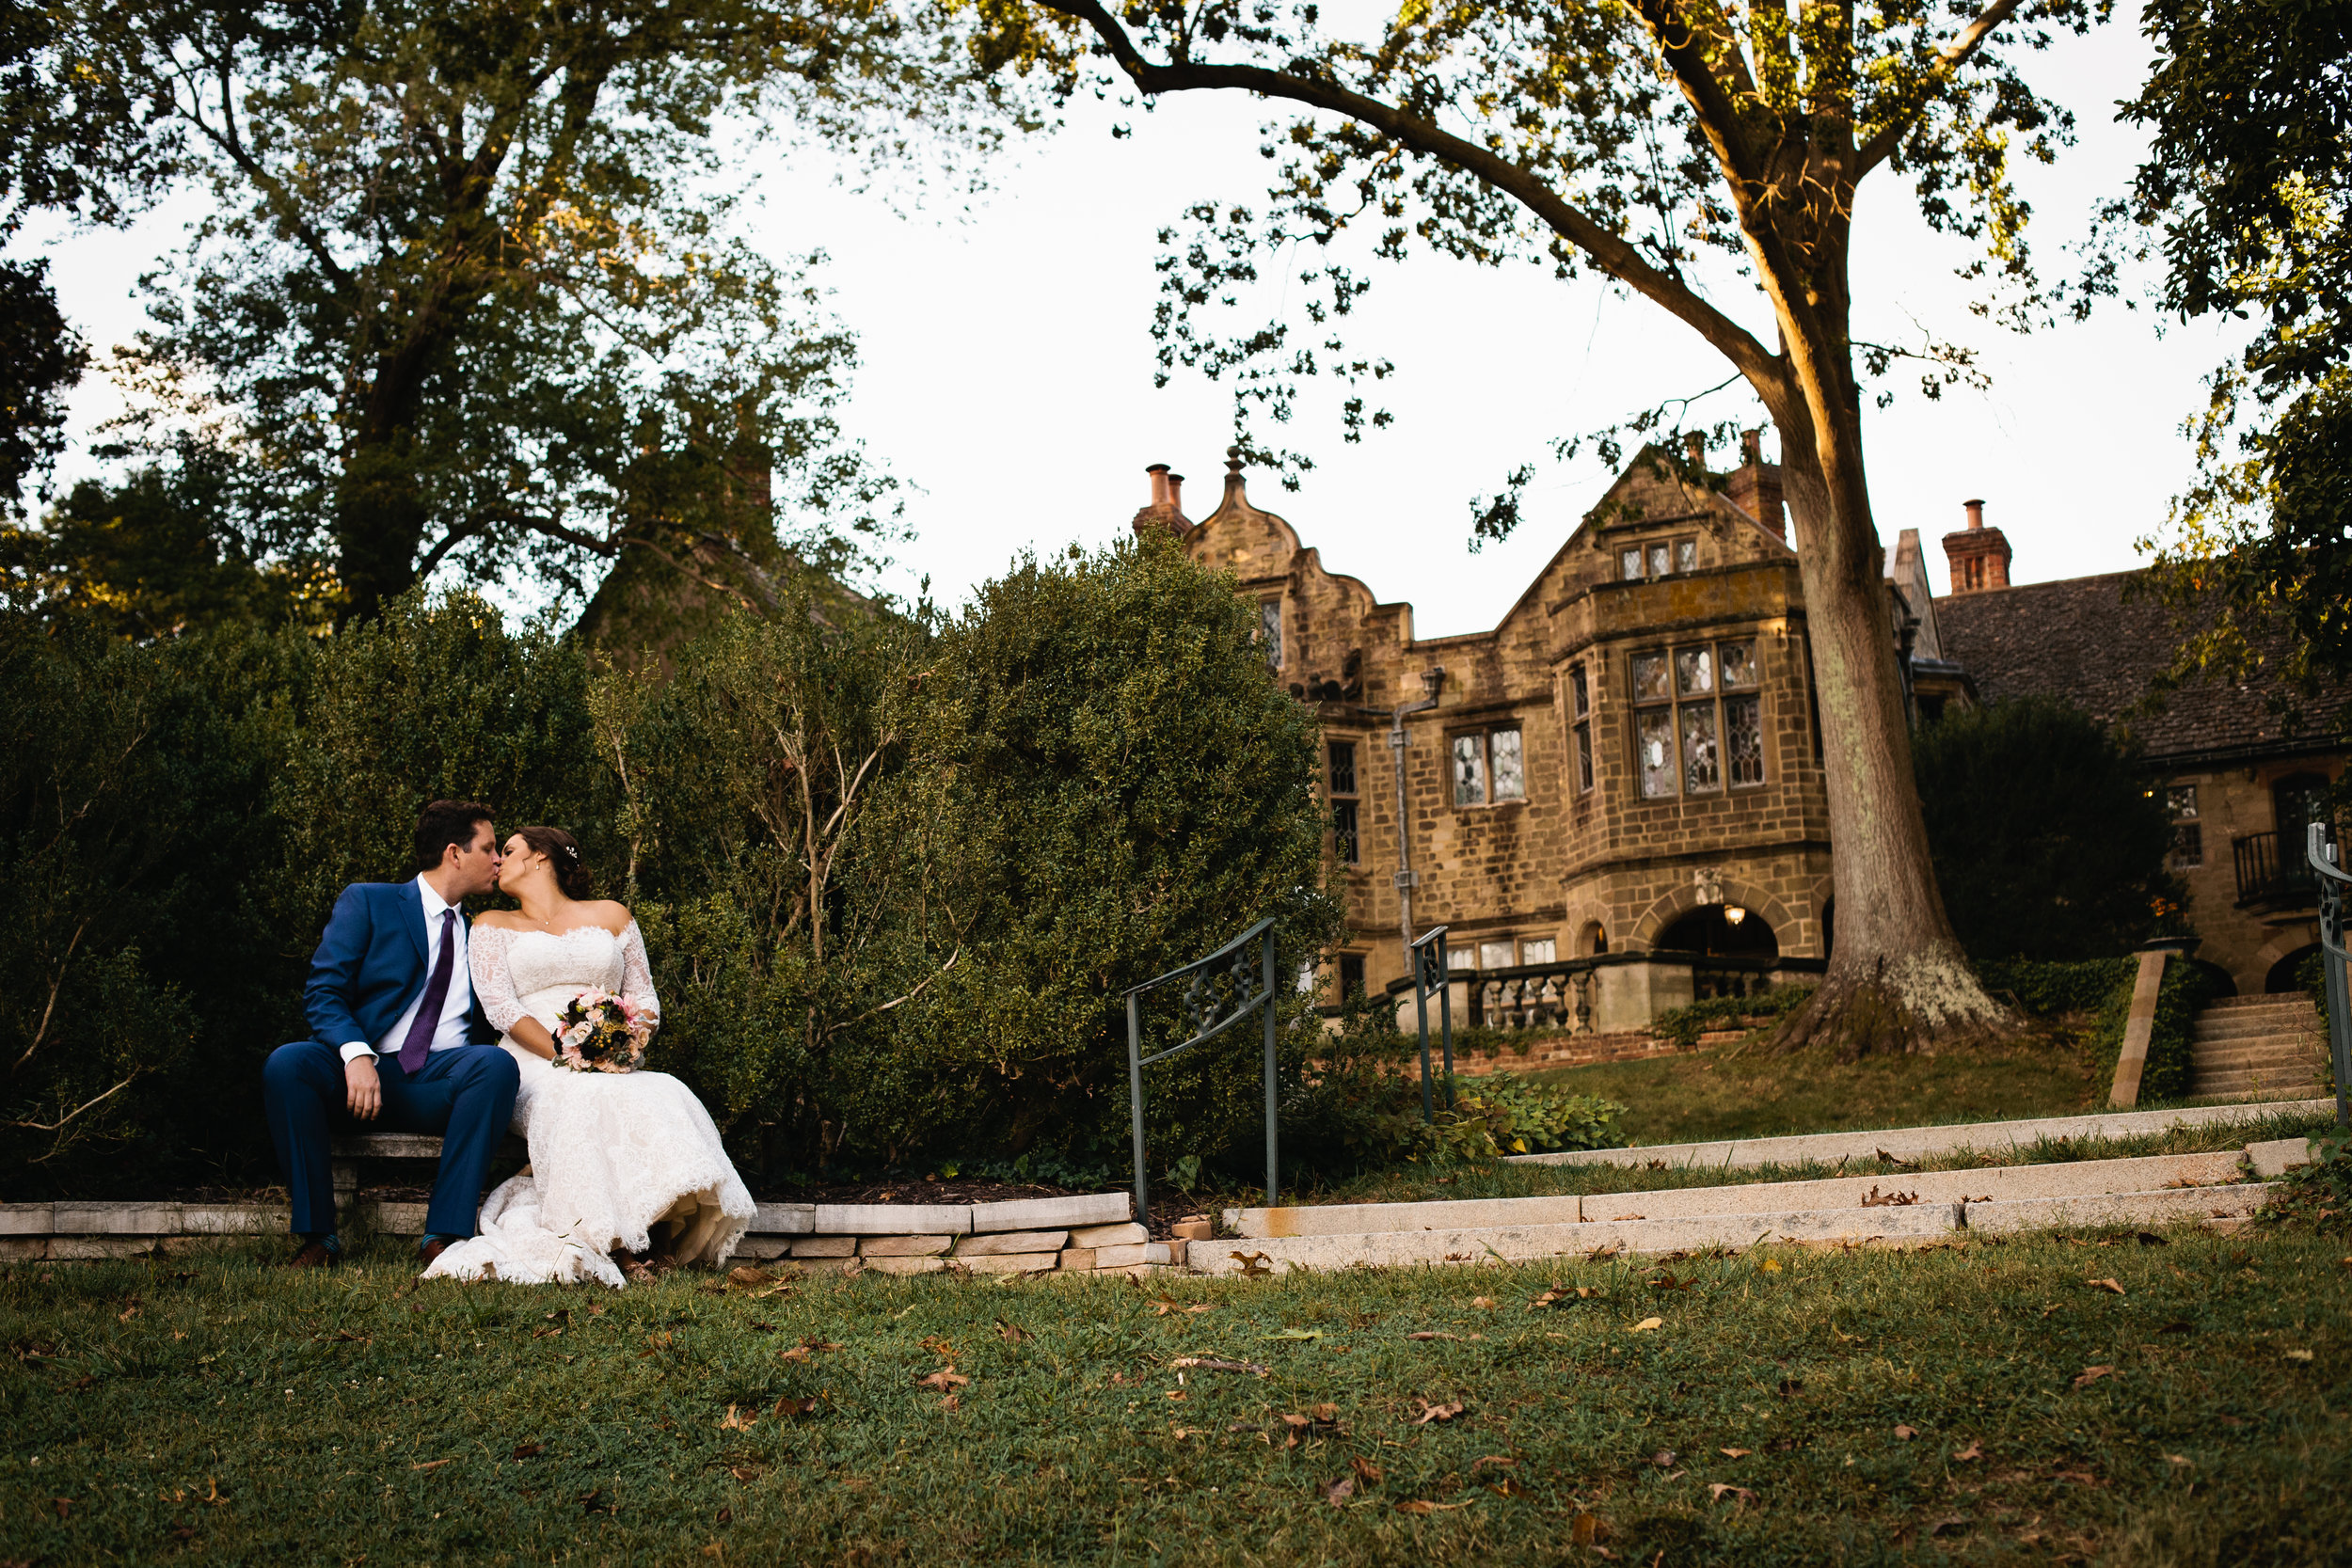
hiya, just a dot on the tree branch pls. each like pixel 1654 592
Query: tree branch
pixel 59 1126
pixel 1949 59
pixel 55 985
pixel 1610 253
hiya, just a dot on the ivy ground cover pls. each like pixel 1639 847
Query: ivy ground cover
pixel 2114 1397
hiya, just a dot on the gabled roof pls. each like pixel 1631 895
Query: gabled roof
pixel 2088 641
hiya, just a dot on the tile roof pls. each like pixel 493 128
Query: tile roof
pixel 2085 640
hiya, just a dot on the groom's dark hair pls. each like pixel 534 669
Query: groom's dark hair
pixel 444 823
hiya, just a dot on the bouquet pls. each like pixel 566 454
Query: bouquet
pixel 600 1032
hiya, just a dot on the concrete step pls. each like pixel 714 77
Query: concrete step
pixel 2272 999
pixel 2261 1026
pixel 2252 1083
pixel 2072 1177
pixel 1915 1223
pixel 1912 1143
pixel 2258 1053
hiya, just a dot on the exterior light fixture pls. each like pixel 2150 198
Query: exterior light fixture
pixel 1732 914
pixel 1433 681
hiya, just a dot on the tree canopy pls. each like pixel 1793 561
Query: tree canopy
pixel 2246 194
pixel 472 285
pixel 1706 158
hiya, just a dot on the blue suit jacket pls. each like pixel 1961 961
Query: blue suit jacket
pixel 371 965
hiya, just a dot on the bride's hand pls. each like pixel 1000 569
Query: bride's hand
pixel 532 1036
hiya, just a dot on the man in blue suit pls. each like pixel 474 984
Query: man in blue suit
pixel 397 1037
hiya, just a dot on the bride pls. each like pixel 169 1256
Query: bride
pixel 620 1162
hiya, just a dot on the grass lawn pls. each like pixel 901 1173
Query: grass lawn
pixel 1744 1092
pixel 1974 1403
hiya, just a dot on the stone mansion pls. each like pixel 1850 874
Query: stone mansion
pixel 1613 799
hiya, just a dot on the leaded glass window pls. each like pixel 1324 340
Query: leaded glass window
pixel 1694 671
pixel 1539 950
pixel 1739 665
pixel 1744 738
pixel 1654 741
pixel 1649 678
pixel 1660 559
pixel 1270 630
pixel 1686 555
pixel 1508 765
pixel 1702 765
pixel 1494 955
pixel 1629 566
pixel 1469 770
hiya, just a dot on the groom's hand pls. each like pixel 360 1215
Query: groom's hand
pixel 363 1088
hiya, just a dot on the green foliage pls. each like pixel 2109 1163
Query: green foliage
pixel 2317 1195
pixel 2103 988
pixel 2048 990
pixel 40 360
pixel 1685 1024
pixel 2248 191
pixel 2047 842
pixel 1125 792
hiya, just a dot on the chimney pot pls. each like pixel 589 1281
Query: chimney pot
pixel 1694 445
pixel 1159 483
pixel 1976 513
pixel 1752 445
pixel 1978 555
pixel 1176 493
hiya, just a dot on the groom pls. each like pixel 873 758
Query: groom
pixel 396 1037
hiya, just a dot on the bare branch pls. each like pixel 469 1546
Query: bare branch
pixel 55 983
pixel 59 1126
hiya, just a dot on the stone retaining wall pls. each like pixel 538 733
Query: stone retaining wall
pixel 1555 1051
pixel 1089 1233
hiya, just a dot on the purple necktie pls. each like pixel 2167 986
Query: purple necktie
pixel 419 1042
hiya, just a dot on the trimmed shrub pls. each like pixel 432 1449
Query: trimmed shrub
pixel 1685 1024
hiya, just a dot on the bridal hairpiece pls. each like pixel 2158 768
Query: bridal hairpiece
pixel 571 851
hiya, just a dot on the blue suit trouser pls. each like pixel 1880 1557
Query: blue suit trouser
pixel 466 1096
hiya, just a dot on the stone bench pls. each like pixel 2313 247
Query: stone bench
pixel 345 1153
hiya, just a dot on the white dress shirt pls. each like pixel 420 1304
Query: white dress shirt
pixel 449 1033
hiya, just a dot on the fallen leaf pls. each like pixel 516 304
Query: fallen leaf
pixel 63 1505
pixel 735 1421
pixel 1437 1412
pixel 1716 1491
pixel 430 1465
pixel 938 1347
pixel 1336 1492
pixel 1176 1393
pixel 1215 1364
pixel 1646 1324
pixel 2298 1354
pixel 797 1353
pixel 529 1451
pixel 1588 1529
pixel 1906 1434
pixel 1485 1303
pixel 1663 1459
pixel 2090 1375
pixel 1499 1462
pixel 1735 1453
pixel 2178 1459
pixel 788 1408
pixel 1507 1487
pixel 1974 1450
pixel 1874 1199
pixel 1253 1264
pixel 2104 1285
pixel 951 1402
pixel 1951 1524
pixel 2181 1327
pixel 1012 1333
pixel 1327 1414
pixel 946 1379
pixel 1771 1265
pixel 748 1276
pixel 1417 1505
pixel 1295 1333
pixel 1365 1469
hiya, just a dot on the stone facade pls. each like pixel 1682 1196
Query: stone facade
pixel 1634 744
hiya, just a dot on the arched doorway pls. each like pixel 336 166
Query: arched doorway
pixel 2285 974
pixel 1721 931
pixel 1593 940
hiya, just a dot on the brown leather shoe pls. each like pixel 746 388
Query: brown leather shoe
pixel 430 1251
pixel 315 1254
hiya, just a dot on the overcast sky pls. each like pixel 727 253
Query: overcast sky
pixel 1008 364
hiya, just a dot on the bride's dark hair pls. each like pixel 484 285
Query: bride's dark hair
pixel 562 853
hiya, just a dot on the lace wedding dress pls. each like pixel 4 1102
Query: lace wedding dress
pixel 613 1155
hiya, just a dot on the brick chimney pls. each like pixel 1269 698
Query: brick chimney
pixel 1165 513
pixel 1755 485
pixel 1978 555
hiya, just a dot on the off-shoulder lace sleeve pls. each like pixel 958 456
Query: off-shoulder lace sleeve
pixel 493 981
pixel 637 972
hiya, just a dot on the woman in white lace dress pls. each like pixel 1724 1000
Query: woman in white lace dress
pixel 620 1162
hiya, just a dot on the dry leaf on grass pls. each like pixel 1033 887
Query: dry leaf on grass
pixel 2091 1374
pixel 1010 1333
pixel 1906 1433
pixel 1646 1324
pixel 1216 1363
pixel 2104 1285
pixel 1482 1303
pixel 1336 1492
pixel 1507 1487
pixel 1298 1333
pixel 748 1276
pixel 2297 1355
pixel 945 1379
pixel 1588 1529
pixel 1951 1524
pixel 1366 1471
pixel 2178 1459
pixel 1417 1505
pixel 1663 1459
pixel 951 1402
pixel 1718 1489
pixel 1253 1264
pixel 1437 1412
pixel 1973 1451
pixel 529 1451
pixel 1501 1462
pixel 1735 1453
pixel 430 1465
pixel 1175 1394
pixel 788 1408
pixel 735 1421
pixel 938 1347
pixel 797 1353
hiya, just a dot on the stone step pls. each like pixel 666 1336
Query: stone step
pixel 2260 1050
pixel 1911 1143
pixel 2251 1083
pixel 1921 1222
pixel 2256 1027
pixel 2271 999
pixel 1952 1186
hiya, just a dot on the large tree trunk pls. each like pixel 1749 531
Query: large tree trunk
pixel 1897 979
pixel 380 521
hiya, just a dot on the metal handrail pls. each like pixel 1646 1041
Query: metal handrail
pixel 1215 1001
pixel 2335 892
pixel 1427 958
